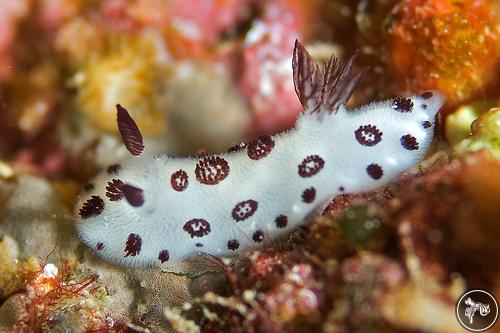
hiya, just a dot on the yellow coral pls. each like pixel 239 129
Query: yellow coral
pixel 179 323
pixel 8 266
pixel 6 171
pixel 485 134
pixel 131 74
pixel 12 271
pixel 458 123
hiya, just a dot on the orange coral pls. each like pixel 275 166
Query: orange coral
pixel 450 45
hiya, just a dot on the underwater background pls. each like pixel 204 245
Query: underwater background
pixel 199 76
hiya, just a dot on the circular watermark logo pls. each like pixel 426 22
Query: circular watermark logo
pixel 477 310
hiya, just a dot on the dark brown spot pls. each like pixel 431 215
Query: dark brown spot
pixel 134 195
pixel 258 236
pixel 113 169
pixel 113 190
pixel 310 166
pixel 402 104
pixel 368 135
pixel 133 245
pixel 409 142
pixel 426 95
pixel 260 147
pixel 309 195
pixel 244 210
pixel 99 246
pixel 92 207
pixel 163 256
pixel 233 244
pixel 130 133
pixel 211 170
pixel 237 147
pixel 281 221
pixel 424 106
pixel 341 189
pixel 89 187
pixel 375 171
pixel 198 245
pixel 427 124
pixel 179 180
pixel 197 227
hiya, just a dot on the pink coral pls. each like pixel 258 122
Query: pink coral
pixel 117 17
pixel 266 77
pixel 297 295
pixel 190 27
pixel 53 13
pixel 367 278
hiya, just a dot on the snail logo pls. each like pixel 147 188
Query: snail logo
pixel 477 310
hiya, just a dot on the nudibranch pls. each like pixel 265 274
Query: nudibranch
pixel 155 210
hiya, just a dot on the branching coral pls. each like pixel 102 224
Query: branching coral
pixel 50 293
pixel 47 296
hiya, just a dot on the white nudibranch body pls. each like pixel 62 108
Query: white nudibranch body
pixel 158 210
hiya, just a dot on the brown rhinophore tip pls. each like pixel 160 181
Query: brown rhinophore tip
pixel 339 82
pixel 134 195
pixel 307 76
pixel 130 133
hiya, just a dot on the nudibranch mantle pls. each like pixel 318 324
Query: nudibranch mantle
pixel 158 210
